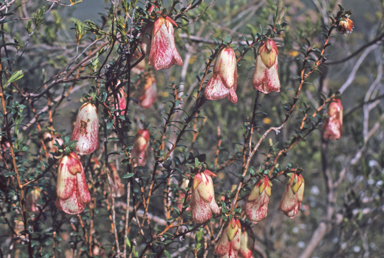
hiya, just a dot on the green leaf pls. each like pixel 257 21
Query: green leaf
pixel 167 254
pixel 129 175
pixel 15 76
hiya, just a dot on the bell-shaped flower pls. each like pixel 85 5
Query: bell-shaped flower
pixel 247 241
pixel 148 92
pixel 115 182
pixel 86 131
pixel 333 124
pixel 345 25
pixel 203 202
pixel 256 206
pixel 32 200
pixel 266 77
pixel 229 242
pixel 140 148
pixel 293 196
pixel 163 53
pixel 224 79
pixel 71 188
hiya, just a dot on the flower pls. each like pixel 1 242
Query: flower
pixel 333 124
pixel 140 147
pixel 229 242
pixel 247 240
pixel 163 53
pixel 256 206
pixel 32 200
pixel 345 25
pixel 86 131
pixel 121 102
pixel 71 188
pixel 118 189
pixel 293 196
pixel 224 79
pixel 266 77
pixel 203 197
pixel 148 93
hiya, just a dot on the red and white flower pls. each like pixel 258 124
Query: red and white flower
pixel 228 245
pixel 266 77
pixel 140 148
pixel 71 188
pixel 203 203
pixel 256 206
pixel 333 124
pixel 293 196
pixel 224 79
pixel 163 53
pixel 86 131
pixel 148 93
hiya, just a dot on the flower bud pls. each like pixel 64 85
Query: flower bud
pixel 247 241
pixel 118 189
pixel 163 53
pixel 224 79
pixel 71 188
pixel 86 131
pixel 333 124
pixel 140 148
pixel 293 196
pixel 50 140
pixel 229 242
pixel 148 92
pixel 345 25
pixel 256 206
pixel 266 77
pixel 203 197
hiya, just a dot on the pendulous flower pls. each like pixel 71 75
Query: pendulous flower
pixel 163 53
pixel 345 25
pixel 148 93
pixel 229 242
pixel 333 124
pixel 121 102
pixel 293 196
pixel 224 79
pixel 115 182
pixel 247 241
pixel 86 131
pixel 32 200
pixel 256 206
pixel 266 77
pixel 71 188
pixel 203 202
pixel 140 148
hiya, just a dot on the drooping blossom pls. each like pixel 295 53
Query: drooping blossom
pixel 148 92
pixel 333 124
pixel 266 77
pixel 203 203
pixel 118 189
pixel 247 241
pixel 140 148
pixel 121 102
pixel 163 53
pixel 32 200
pixel 345 25
pixel 293 195
pixel 228 245
pixel 71 188
pixel 256 206
pixel 224 79
pixel 86 131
